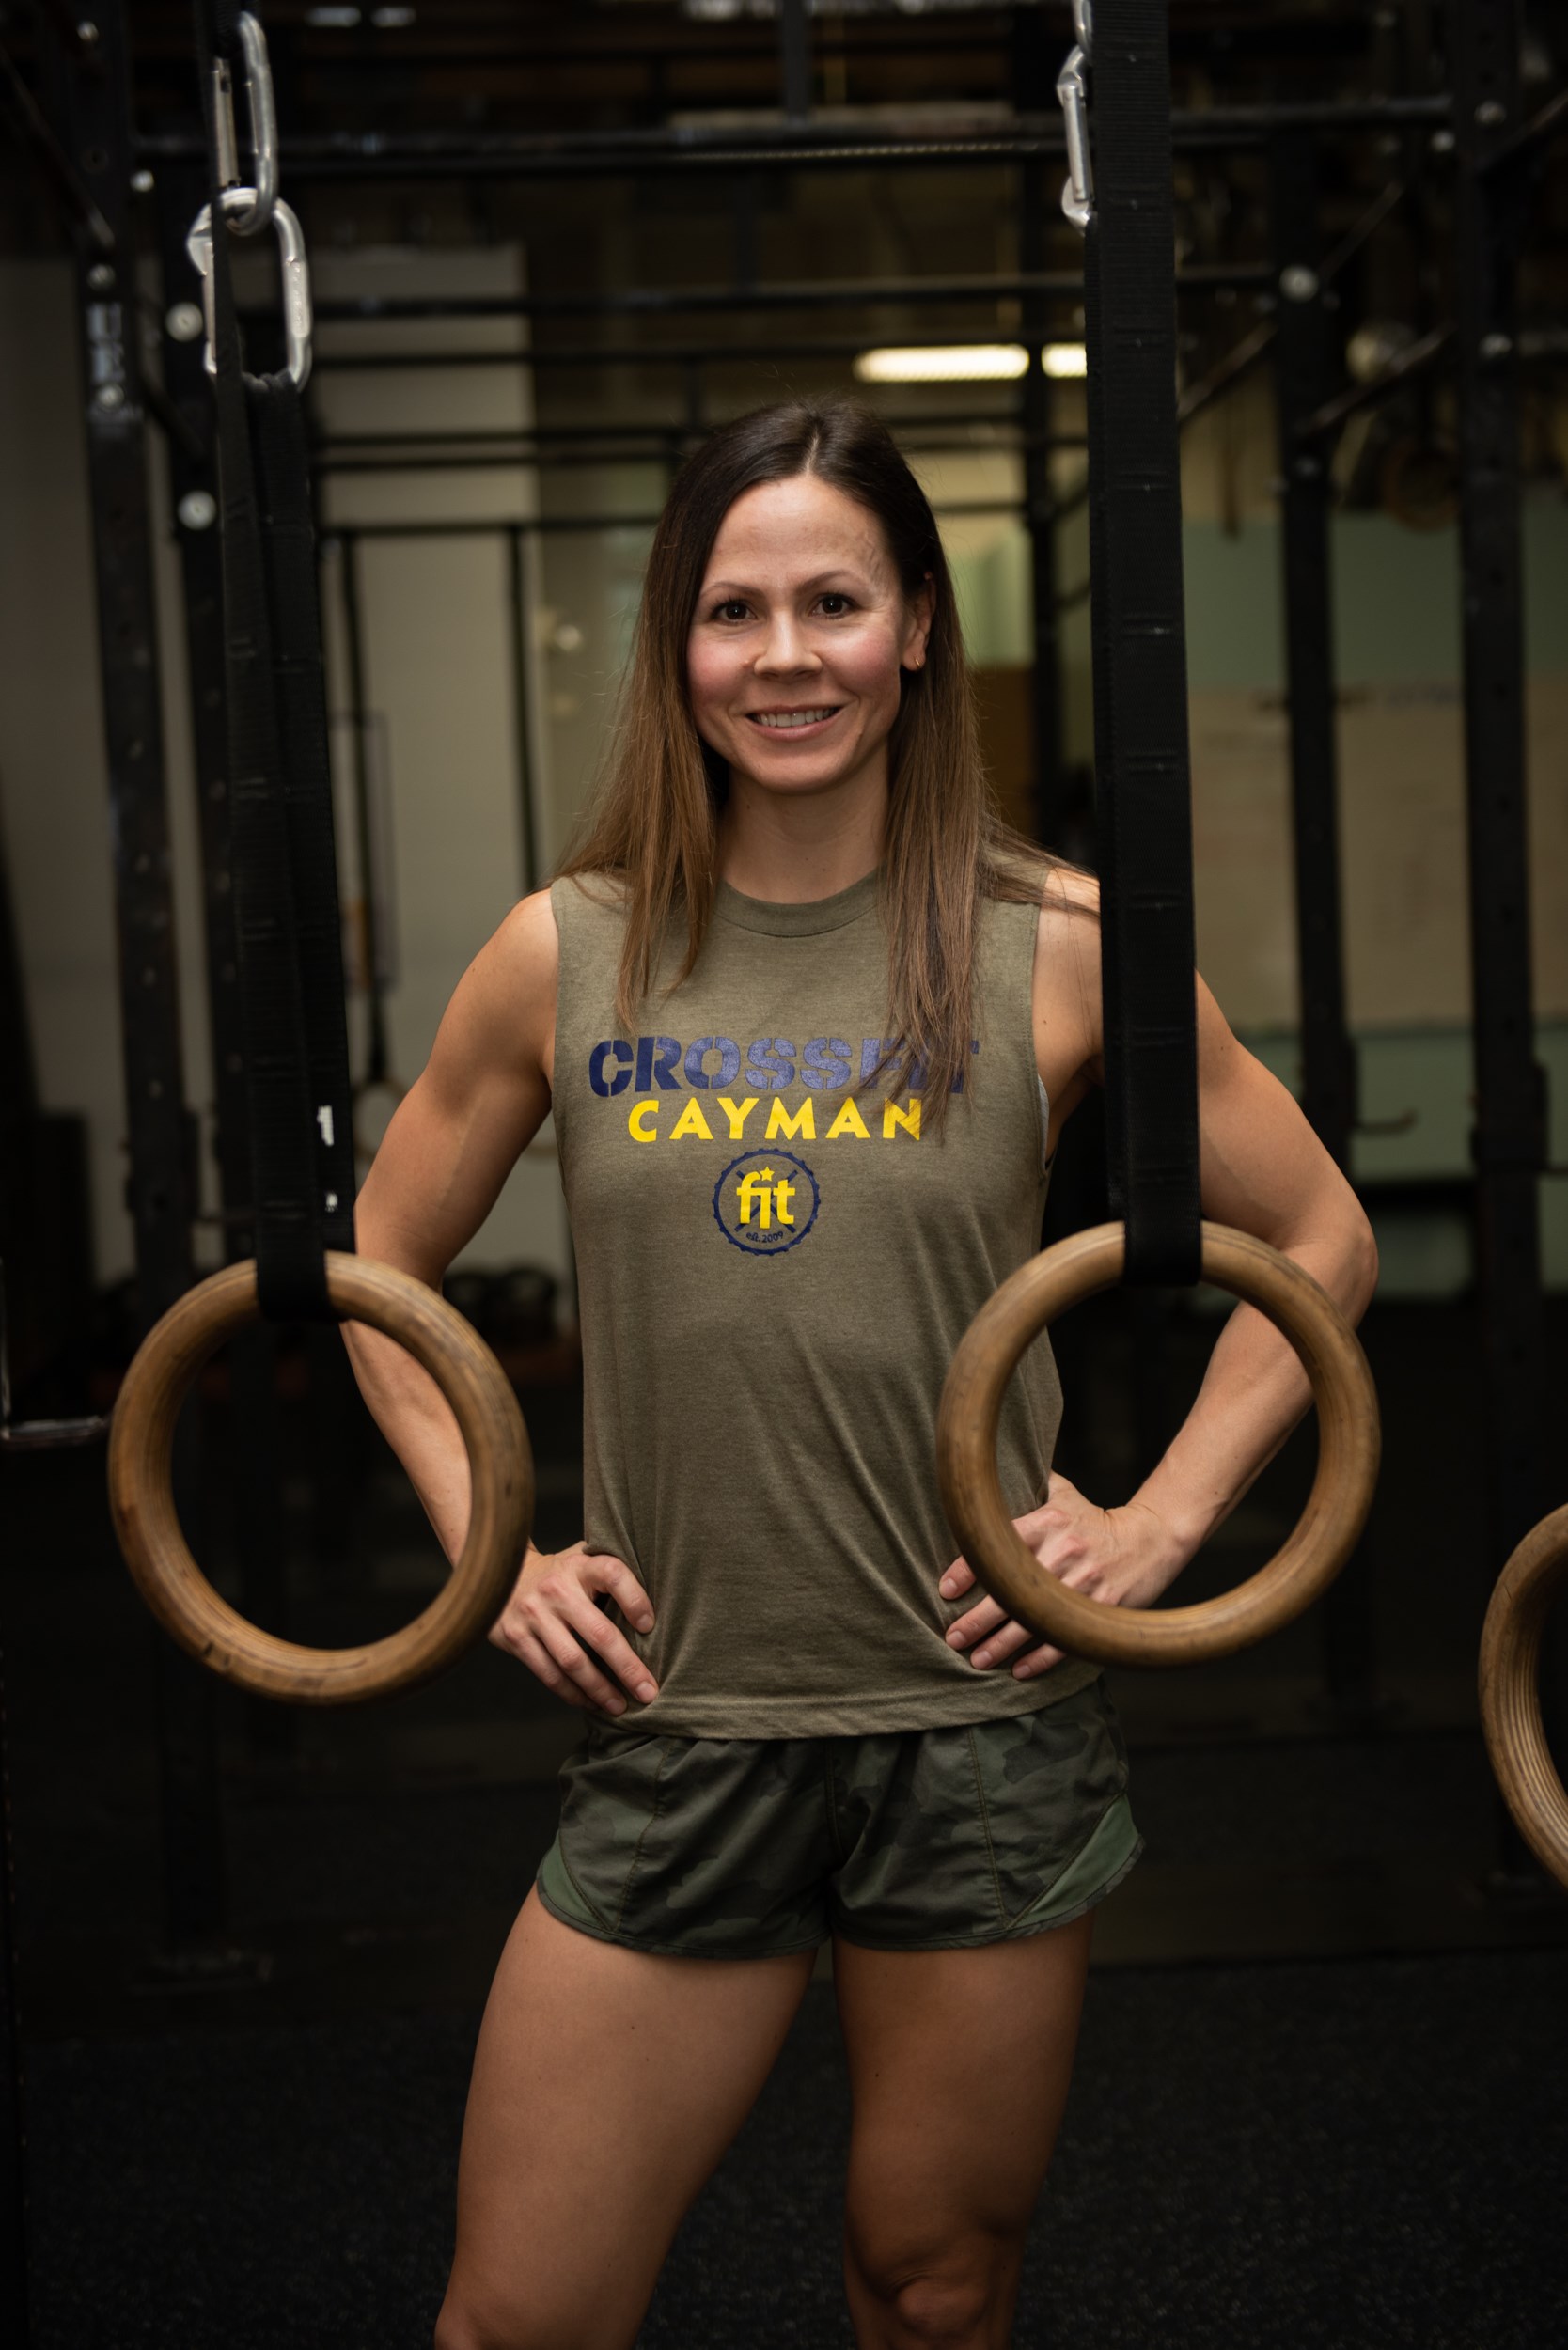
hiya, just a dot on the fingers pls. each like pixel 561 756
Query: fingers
pixel 976 1625
pixel 959 1578
pixel 567 1667
pixel 617 1651
pixel 606 1574
pixel 1013 1637
pixel 552 1625
pixel 542 1666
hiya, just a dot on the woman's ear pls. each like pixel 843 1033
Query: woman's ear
pixel 922 611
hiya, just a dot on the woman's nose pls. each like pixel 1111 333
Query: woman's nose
pixel 785 648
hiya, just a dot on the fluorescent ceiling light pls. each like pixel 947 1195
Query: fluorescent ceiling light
pixel 332 20
pixel 964 363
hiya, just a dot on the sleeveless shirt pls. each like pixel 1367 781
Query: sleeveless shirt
pixel 777 1256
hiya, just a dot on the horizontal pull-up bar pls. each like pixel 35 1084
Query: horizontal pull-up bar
pixel 500 526
pixel 820 295
pixel 675 428
pixel 616 354
pixel 327 461
pixel 778 146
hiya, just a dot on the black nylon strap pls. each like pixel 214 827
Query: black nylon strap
pixel 299 685
pixel 1140 696
pixel 292 1014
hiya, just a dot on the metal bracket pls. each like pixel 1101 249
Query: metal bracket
pixel 296 277
pixel 1077 195
pixel 262 193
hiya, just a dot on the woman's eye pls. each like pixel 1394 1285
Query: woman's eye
pixel 835 605
pixel 731 609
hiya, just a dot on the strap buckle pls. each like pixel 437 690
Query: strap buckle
pixel 296 278
pixel 262 193
pixel 1077 195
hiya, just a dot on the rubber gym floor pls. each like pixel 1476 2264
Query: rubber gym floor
pixel 1322 2097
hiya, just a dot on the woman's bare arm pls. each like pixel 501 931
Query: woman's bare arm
pixel 454 1140
pixel 1263 1171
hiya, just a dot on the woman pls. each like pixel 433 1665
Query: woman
pixel 810 1023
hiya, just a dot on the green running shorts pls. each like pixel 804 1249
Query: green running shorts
pixel 914 1839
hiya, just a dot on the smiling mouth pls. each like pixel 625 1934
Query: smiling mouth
pixel 792 721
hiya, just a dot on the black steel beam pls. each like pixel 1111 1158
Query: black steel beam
pixel 633 355
pixel 1036 200
pixel 787 146
pixel 377 1067
pixel 823 294
pixel 794 59
pixel 1421 355
pixel 1243 355
pixel 194 495
pixel 518 637
pixel 673 446
pixel 1509 1133
pixel 1531 138
pixel 94 109
pixel 546 525
pixel 1304 365
pixel 547 436
pixel 15 2297
pixel 57 165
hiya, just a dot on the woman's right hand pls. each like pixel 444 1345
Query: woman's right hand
pixel 552 1612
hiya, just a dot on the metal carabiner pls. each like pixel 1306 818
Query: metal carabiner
pixel 296 278
pixel 262 190
pixel 1077 195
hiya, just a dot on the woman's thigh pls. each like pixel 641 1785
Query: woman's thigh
pixel 958 2063
pixel 606 2085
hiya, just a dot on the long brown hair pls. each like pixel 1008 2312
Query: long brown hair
pixel 653 826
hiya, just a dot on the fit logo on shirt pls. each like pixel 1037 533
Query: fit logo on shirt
pixel 766 1202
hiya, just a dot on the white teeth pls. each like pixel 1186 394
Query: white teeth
pixel 793 717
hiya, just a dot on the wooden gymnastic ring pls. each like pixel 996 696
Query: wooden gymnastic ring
pixel 1510 1694
pixel 1348 1451
pixel 141 1496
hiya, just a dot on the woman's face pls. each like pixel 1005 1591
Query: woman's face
pixel 800 631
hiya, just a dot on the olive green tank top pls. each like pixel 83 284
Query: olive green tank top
pixel 775 1262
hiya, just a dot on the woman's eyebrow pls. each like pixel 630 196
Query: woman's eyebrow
pixel 817 579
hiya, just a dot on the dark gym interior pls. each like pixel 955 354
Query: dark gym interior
pixel 1322 2097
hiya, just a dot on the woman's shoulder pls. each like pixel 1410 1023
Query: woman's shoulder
pixel 585 894
pixel 1068 890
pixel 589 910
pixel 1057 892
pixel 525 947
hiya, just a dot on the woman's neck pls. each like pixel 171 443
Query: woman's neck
pixel 793 852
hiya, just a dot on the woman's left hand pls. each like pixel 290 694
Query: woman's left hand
pixel 1124 1558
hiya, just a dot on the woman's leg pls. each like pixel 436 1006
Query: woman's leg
pixel 959 2062
pixel 606 2086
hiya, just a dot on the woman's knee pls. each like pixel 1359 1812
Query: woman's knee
pixel 469 2323
pixel 461 2327
pixel 941 2302
pixel 946 2310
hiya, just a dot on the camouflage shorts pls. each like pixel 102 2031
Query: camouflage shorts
pixel 915 1840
